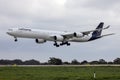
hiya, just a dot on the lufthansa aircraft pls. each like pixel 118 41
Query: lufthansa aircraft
pixel 41 36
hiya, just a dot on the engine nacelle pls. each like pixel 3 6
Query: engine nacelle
pixel 58 38
pixel 40 41
pixel 76 34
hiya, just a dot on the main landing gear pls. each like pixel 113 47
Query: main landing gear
pixel 56 44
pixel 61 44
pixel 64 42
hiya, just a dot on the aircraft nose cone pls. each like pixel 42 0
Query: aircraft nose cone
pixel 9 31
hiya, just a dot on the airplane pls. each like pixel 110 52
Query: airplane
pixel 64 37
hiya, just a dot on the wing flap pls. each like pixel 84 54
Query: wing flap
pixel 69 35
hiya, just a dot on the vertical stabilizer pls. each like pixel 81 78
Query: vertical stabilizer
pixel 96 34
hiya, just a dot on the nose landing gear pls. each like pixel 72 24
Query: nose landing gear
pixel 15 39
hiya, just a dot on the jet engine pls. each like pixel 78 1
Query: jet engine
pixel 40 41
pixel 76 34
pixel 58 38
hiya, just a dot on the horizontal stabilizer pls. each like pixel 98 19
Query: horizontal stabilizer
pixel 108 34
pixel 107 27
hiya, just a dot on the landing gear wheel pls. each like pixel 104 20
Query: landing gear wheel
pixel 61 44
pixel 68 44
pixel 55 44
pixel 15 40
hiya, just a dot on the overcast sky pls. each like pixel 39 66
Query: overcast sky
pixel 60 15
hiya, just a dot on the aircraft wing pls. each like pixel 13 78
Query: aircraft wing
pixel 68 35
pixel 71 35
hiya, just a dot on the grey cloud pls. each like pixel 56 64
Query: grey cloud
pixel 102 4
pixel 91 11
pixel 31 9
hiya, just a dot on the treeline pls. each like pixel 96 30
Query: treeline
pixel 56 61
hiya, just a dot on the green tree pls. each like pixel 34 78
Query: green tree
pixel 117 61
pixel 102 61
pixel 84 62
pixel 94 62
pixel 32 62
pixel 74 62
pixel 55 61
pixel 66 63
pixel 17 61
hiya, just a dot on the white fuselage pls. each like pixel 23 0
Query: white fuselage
pixel 64 37
pixel 44 34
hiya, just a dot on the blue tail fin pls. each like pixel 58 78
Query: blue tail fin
pixel 97 34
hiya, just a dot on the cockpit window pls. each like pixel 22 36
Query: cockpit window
pixel 24 29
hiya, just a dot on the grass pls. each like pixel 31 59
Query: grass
pixel 59 73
